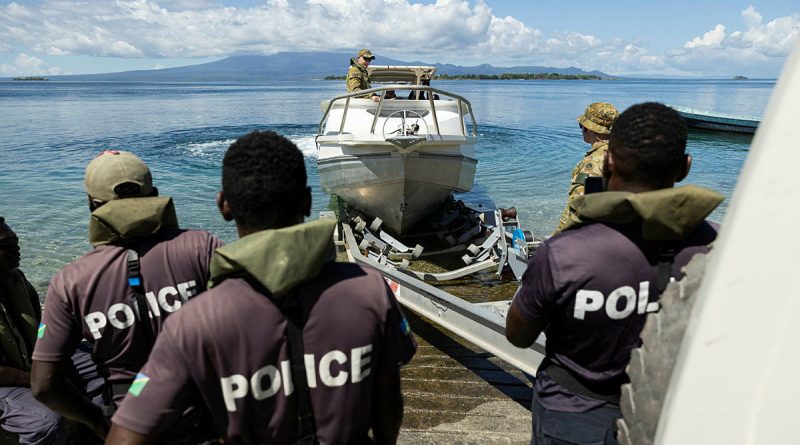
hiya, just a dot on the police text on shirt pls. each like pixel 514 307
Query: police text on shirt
pixel 121 315
pixel 268 380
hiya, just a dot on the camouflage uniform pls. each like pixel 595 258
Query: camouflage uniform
pixel 357 78
pixel 590 165
pixel 598 117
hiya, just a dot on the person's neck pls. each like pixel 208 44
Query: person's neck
pixel 243 231
pixel 8 274
pixel 620 185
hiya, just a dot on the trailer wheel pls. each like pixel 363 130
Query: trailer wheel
pixel 650 367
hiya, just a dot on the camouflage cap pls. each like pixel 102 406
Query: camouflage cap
pixel 112 168
pixel 599 117
pixel 366 53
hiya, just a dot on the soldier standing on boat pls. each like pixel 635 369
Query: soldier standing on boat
pixel 142 269
pixel 595 124
pixel 299 335
pixel 358 76
pixel 590 288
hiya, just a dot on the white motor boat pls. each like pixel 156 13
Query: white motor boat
pixel 397 159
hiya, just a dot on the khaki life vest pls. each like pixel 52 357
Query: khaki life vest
pixel 20 314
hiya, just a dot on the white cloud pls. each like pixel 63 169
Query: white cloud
pixel 760 48
pixel 457 29
pixel 454 31
pixel 711 38
pixel 25 65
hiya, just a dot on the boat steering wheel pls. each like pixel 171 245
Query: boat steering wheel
pixel 405 123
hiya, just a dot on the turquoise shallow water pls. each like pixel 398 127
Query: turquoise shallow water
pixel 529 142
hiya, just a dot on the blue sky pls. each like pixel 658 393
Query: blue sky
pixel 624 37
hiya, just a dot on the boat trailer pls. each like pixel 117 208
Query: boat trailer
pixel 501 245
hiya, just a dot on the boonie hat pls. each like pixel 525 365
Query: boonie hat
pixel 112 168
pixel 366 53
pixel 599 117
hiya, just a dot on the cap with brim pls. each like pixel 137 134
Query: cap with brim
pixel 367 54
pixel 599 117
pixel 112 168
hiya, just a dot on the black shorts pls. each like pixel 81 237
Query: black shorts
pixel 593 427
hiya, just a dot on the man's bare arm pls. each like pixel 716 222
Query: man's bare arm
pixel 49 386
pixel 521 332
pixel 14 377
pixel 387 406
pixel 120 435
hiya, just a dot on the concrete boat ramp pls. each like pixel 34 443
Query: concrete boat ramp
pixel 456 393
pixel 466 384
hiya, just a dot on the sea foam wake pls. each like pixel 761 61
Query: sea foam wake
pixel 216 149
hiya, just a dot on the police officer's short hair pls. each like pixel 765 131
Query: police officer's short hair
pixel 264 180
pixel 648 142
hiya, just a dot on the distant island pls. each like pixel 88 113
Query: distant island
pixel 315 66
pixel 519 76
pixel 30 78
pixel 740 78
pixel 505 76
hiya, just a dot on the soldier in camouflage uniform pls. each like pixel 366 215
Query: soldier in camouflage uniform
pixel 357 76
pixel 595 125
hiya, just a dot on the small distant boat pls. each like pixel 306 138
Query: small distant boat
pixel 718 121
pixel 31 78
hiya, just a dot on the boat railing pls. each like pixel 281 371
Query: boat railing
pixel 461 103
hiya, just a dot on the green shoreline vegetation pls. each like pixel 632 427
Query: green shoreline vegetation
pixel 507 76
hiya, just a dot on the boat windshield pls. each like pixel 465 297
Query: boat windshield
pixel 411 75
pixel 422 102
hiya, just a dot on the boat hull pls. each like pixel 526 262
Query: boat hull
pixel 399 188
pixel 397 160
pixel 719 126
pixel 717 121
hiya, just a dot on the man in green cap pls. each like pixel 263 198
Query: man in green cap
pixel 358 76
pixel 595 124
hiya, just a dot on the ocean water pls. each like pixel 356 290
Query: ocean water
pixel 529 142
